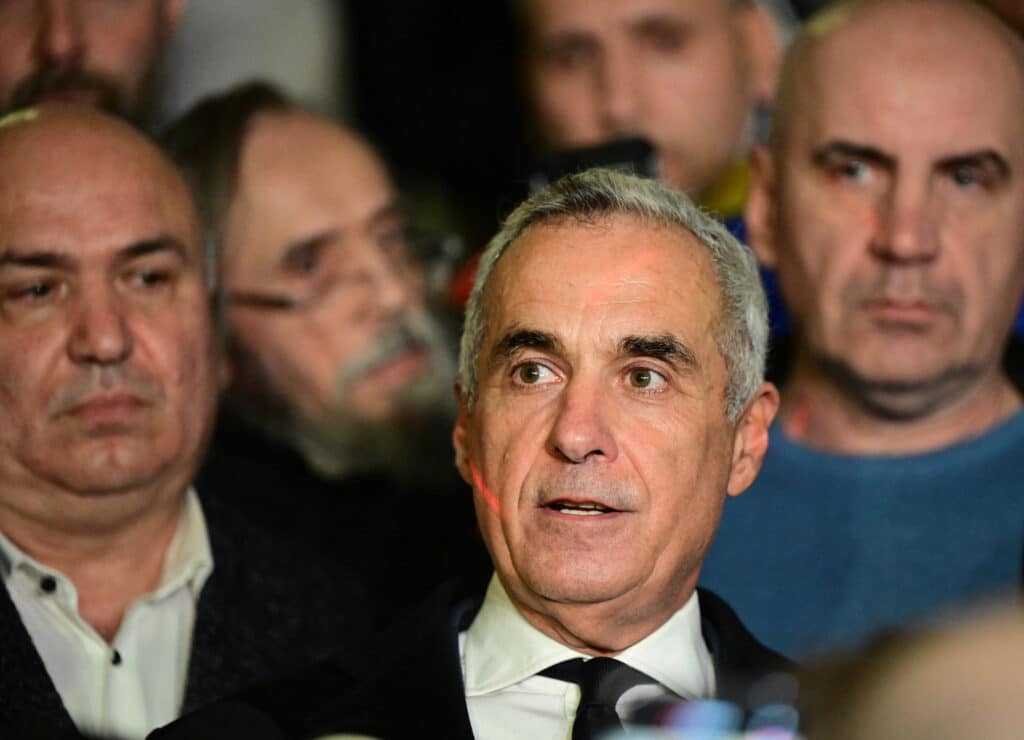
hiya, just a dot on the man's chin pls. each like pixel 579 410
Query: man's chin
pixel 396 439
pixel 104 472
pixel 902 393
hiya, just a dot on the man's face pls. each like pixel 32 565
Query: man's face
pixel 674 71
pixel 316 222
pixel 99 52
pixel 894 212
pixel 106 378
pixel 598 445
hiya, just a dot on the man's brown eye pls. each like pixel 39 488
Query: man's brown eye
pixel 640 378
pixel 645 379
pixel 529 373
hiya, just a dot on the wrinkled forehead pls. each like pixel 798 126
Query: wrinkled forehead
pixel 938 74
pixel 544 17
pixel 76 178
pixel 301 176
pixel 615 270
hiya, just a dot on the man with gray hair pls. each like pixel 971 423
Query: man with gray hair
pixel 610 399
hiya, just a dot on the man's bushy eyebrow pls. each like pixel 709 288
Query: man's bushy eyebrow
pixel 518 339
pixel 156 245
pixel 35 258
pixel 14 257
pixel 664 347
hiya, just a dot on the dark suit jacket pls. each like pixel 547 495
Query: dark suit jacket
pixel 262 613
pixel 400 540
pixel 419 690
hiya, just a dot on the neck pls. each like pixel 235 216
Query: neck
pixel 821 411
pixel 110 547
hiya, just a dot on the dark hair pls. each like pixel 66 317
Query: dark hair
pixel 206 145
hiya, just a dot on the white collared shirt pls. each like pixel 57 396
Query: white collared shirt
pixel 136 683
pixel 502 654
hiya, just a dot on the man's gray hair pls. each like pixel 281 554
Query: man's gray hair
pixel 592 197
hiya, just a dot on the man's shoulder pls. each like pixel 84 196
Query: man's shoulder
pixel 413 684
pixel 267 610
pixel 748 673
pixel 732 646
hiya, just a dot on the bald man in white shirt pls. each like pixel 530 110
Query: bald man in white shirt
pixel 125 599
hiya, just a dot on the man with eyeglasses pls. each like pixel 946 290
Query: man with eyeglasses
pixel 338 379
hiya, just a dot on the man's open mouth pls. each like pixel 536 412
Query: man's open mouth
pixel 580 508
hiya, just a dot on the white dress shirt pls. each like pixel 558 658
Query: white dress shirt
pixel 502 654
pixel 136 683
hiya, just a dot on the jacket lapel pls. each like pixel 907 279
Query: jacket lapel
pixel 741 662
pixel 425 673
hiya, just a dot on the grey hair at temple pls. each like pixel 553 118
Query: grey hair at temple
pixel 593 196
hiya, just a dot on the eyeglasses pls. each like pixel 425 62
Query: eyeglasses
pixel 328 266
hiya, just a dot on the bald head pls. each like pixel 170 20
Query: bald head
pixel 896 38
pixel 76 154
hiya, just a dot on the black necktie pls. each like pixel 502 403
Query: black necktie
pixel 602 682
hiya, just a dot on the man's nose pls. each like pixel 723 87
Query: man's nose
pixel 581 430
pixel 619 91
pixel 100 333
pixel 907 228
pixel 60 39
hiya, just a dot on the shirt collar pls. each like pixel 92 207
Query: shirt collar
pixel 188 562
pixel 189 559
pixel 502 649
pixel 676 655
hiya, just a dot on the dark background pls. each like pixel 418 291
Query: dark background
pixel 435 85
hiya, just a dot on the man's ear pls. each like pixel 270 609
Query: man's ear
pixel 751 441
pixel 765 48
pixel 760 210
pixel 459 437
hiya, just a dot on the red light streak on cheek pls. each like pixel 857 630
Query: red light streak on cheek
pixel 478 483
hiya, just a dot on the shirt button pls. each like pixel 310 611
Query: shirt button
pixel 115 658
pixel 48 584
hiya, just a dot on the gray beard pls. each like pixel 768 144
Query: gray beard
pixel 413 446
pixel 410 446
